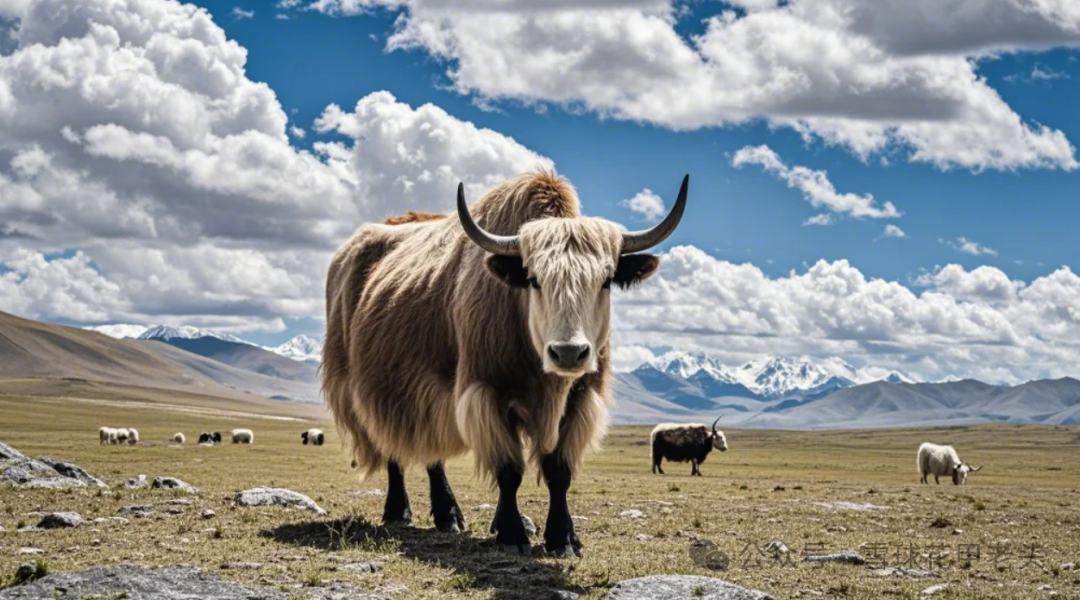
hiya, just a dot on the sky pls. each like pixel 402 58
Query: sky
pixel 892 183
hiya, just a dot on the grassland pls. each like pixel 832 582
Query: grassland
pixel 764 489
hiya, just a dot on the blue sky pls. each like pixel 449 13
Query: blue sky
pixel 312 60
pixel 146 206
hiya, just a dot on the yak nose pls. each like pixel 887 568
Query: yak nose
pixel 568 355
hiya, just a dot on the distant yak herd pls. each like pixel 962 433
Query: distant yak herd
pixel 130 436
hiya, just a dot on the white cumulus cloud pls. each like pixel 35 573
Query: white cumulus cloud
pixel 647 204
pixel 966 246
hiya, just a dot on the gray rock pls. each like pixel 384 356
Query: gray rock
pixel 631 514
pixel 106 520
pixel 73 471
pixel 61 520
pixel 277 497
pixel 17 475
pixel 208 514
pixel 9 453
pixel 2 530
pixel 362 567
pixel 930 591
pixel 336 591
pixel 241 566
pixel 902 572
pixel 172 483
pixel 179 501
pixel 665 587
pixel 849 557
pixel 137 483
pixel 30 551
pixel 558 595
pixel 530 527
pixel 845 505
pixel 136 510
pixel 485 507
pixel 1068 566
pixel 170 583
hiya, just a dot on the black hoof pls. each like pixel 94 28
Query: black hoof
pixel 568 546
pixel 517 549
pixel 402 519
pixel 455 523
pixel 566 552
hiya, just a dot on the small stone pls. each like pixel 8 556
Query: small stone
pixel 136 483
pixel 174 510
pixel 172 483
pixel 105 520
pixel 208 514
pixel 642 537
pixel 1044 588
pixel 632 514
pixel 903 572
pixel 558 595
pixel 484 507
pixel 179 502
pixel 1068 566
pixel 681 586
pixel 957 531
pixel 930 591
pixel 277 497
pixel 530 527
pixel 241 566
pixel 61 520
pixel 136 510
pixel 810 593
pixel 30 551
pixel 777 548
pixel 362 567
pixel 845 505
pixel 579 518
pixel 849 557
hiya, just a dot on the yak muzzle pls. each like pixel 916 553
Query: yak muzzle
pixel 568 356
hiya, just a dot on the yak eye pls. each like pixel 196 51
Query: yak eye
pixel 533 283
pixel 607 284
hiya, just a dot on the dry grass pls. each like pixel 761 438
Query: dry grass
pixel 764 489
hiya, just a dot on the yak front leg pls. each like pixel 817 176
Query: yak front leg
pixel 444 506
pixel 560 538
pixel 396 510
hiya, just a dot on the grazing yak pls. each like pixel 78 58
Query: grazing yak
pixel 681 443
pixel 121 435
pixel 314 437
pixel 446 335
pixel 941 461
pixel 216 437
pixel 242 436
pixel 132 436
pixel 204 438
pixel 179 438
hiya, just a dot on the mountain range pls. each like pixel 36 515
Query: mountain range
pixel 767 392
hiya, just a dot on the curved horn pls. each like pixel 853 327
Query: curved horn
pixel 504 245
pixel 636 241
pixel 715 422
pixel 978 468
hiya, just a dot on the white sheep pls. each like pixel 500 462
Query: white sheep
pixel 179 438
pixel 133 436
pixel 121 436
pixel 243 436
pixel 106 435
pixel 941 461
pixel 313 436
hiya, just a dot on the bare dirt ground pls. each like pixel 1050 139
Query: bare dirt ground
pixel 1004 535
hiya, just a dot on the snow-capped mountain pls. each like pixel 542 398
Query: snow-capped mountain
pixel 187 332
pixel 686 364
pixel 119 330
pixel 774 376
pixel 766 377
pixel 301 347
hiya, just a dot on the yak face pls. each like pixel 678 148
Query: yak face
pixel 719 441
pixel 567 268
pixel 960 473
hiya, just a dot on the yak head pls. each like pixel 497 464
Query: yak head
pixel 960 472
pixel 718 440
pixel 568 266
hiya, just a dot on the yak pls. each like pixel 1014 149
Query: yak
pixel 681 443
pixel 448 335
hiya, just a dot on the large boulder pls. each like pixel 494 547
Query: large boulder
pixel 61 520
pixel 665 587
pixel 172 483
pixel 17 470
pixel 137 583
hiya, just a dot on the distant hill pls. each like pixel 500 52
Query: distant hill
pixel 31 349
pixel 244 356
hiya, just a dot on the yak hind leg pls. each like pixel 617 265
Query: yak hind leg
pixel 396 510
pixel 444 506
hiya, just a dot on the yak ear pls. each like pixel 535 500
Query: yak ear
pixel 633 269
pixel 508 269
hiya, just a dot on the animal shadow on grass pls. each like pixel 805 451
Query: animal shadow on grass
pixel 478 563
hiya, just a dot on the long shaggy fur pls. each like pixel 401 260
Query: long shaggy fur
pixel 428 356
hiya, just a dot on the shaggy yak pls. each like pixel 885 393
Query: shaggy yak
pixel 447 335
pixel 681 443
